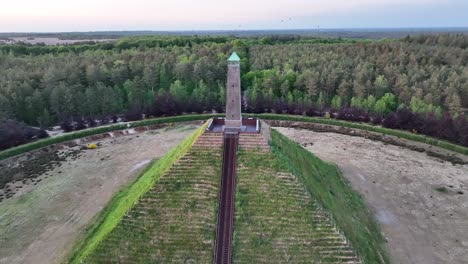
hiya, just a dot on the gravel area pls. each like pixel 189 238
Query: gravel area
pixel 41 221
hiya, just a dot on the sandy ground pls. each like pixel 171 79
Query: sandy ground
pixel 40 223
pixel 422 225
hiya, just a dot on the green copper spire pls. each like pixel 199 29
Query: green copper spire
pixel 234 57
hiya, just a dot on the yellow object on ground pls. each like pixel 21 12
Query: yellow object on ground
pixel 92 146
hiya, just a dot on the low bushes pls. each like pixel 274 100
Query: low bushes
pixel 325 183
pixel 430 122
pixel 13 133
pixel 446 128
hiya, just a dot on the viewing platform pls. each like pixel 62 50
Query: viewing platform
pixel 249 125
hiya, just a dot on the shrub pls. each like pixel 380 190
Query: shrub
pixel 353 114
pixel 91 122
pixel 13 133
pixel 133 115
pixel 376 119
pixel 67 126
pixel 446 129
pixel 391 121
pixel 279 106
pixel 461 126
pixel 407 120
pixel 310 111
pixel 430 125
pixel 80 124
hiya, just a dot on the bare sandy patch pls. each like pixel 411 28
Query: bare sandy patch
pixel 41 221
pixel 420 201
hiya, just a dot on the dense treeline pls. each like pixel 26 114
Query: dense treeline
pixel 145 42
pixel 167 75
pixel 447 40
pixel 122 44
pixel 424 77
pixel 43 90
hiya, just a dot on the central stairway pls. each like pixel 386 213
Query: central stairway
pixel 224 232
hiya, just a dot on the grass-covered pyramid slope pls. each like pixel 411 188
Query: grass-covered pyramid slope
pixel 290 207
pixel 277 221
pixel 326 185
pixel 167 216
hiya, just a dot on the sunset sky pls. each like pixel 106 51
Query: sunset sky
pixel 95 15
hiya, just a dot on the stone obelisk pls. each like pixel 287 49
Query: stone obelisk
pixel 233 93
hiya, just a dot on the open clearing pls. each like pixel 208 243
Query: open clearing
pixel 51 40
pixel 420 201
pixel 42 220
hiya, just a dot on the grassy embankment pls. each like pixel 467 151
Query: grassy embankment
pixel 122 202
pixel 98 130
pixel 94 131
pixel 326 184
pixel 368 127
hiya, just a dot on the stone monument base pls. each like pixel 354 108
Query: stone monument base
pixel 233 123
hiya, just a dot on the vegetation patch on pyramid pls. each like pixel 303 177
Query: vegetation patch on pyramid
pixel 325 183
pixel 123 201
pixel 278 221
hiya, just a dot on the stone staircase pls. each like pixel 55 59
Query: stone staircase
pixel 209 140
pixel 253 142
pixel 249 141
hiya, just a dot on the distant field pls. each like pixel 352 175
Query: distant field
pixel 49 40
pixel 359 33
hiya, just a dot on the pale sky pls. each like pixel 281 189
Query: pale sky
pixel 100 15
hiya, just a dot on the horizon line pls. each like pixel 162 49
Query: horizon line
pixel 247 30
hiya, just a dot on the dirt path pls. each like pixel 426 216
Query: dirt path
pixel 41 221
pixel 423 225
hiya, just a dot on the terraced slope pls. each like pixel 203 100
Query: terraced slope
pixel 246 141
pixel 175 222
pixel 276 221
pixel 253 141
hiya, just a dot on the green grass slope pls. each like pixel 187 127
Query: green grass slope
pixel 174 222
pixel 326 184
pixel 277 221
pixel 120 206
